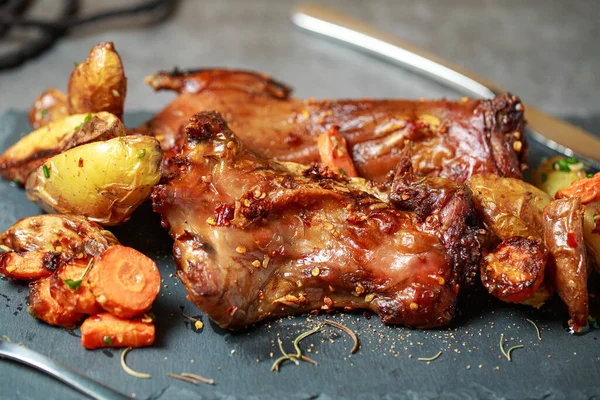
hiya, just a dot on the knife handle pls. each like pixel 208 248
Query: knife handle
pixel 76 380
pixel 558 135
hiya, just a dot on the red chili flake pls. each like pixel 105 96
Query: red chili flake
pixel 80 163
pixel 596 223
pixel 225 214
pixel 571 240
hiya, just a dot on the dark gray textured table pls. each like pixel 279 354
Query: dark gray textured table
pixel 545 52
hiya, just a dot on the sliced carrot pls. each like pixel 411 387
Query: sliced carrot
pixel 334 152
pixel 124 281
pixel 28 266
pixel 79 297
pixel 587 189
pixel 107 330
pixel 43 306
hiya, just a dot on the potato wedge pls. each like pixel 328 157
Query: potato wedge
pixel 68 236
pixel 509 207
pixel 591 230
pixel 515 269
pixel 49 106
pixel 98 83
pixel 567 263
pixel 19 160
pixel 102 181
pixel 556 173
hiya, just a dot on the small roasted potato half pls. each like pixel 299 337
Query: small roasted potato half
pixel 98 83
pixel 556 173
pixel 515 269
pixel 49 106
pixel 102 181
pixel 22 158
pixel 508 206
pixel 591 230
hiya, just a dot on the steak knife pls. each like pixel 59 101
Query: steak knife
pixel 554 133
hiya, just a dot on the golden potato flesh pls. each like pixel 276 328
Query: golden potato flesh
pixel 591 231
pixel 98 83
pixel 49 106
pixel 557 173
pixel 102 181
pixel 21 159
pixel 508 206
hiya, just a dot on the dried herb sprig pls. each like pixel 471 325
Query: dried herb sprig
pixel 506 353
pixel 537 330
pixel 191 378
pixel 131 372
pixel 349 331
pixel 298 356
pixel 430 358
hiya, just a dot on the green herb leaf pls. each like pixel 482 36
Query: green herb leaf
pixel 343 172
pixel 593 322
pixel 589 175
pixel 46 171
pixel 75 285
pixel 43 112
pixel 87 119
pixel 561 165
pixel 141 154
pixel 31 313
pixel 16 181
pixel 107 340
pixel 544 177
pixel 75 63
pixel 572 160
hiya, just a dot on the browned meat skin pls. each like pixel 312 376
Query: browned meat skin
pixel 256 238
pixel 451 139
pixel 567 264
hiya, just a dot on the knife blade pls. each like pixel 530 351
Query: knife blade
pixel 554 133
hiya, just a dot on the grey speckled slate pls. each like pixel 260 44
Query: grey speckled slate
pixel 560 366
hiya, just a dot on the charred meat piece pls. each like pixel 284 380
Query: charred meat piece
pixel 567 265
pixel 256 238
pixel 451 139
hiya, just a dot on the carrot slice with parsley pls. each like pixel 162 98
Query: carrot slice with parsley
pixel 28 266
pixel 334 152
pixel 69 286
pixel 124 281
pixel 44 307
pixel 587 189
pixel 106 330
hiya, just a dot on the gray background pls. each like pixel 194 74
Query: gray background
pixel 545 51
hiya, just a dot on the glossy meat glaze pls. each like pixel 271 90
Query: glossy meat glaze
pixel 452 139
pixel 256 238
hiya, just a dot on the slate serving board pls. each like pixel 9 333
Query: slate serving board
pixel 559 366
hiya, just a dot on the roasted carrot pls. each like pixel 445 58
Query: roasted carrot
pixel 43 306
pixel 124 281
pixel 28 266
pixel 107 330
pixel 587 189
pixel 69 289
pixel 334 152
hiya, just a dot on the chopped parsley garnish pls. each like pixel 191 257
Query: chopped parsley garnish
pixel 75 63
pixel 87 119
pixel 544 177
pixel 589 175
pixel 343 172
pixel 572 160
pixel 592 321
pixel 107 340
pixel 75 285
pixel 46 171
pixel 561 165
pixel 43 112
pixel 16 181
pixel 141 154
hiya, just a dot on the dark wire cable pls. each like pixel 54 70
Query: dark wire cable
pixel 51 31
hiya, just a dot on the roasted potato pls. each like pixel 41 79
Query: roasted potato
pixel 21 159
pixel 541 295
pixel 567 264
pixel 51 105
pixel 515 269
pixel 102 181
pixel 557 173
pixel 591 230
pixel 98 83
pixel 69 236
pixel 509 207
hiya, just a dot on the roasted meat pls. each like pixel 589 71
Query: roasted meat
pixel 255 238
pixel 450 139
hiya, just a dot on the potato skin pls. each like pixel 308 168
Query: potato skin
pixel 515 269
pixel 508 206
pixel 550 180
pixel 567 264
pixel 49 106
pixel 102 181
pixel 98 83
pixel 22 158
